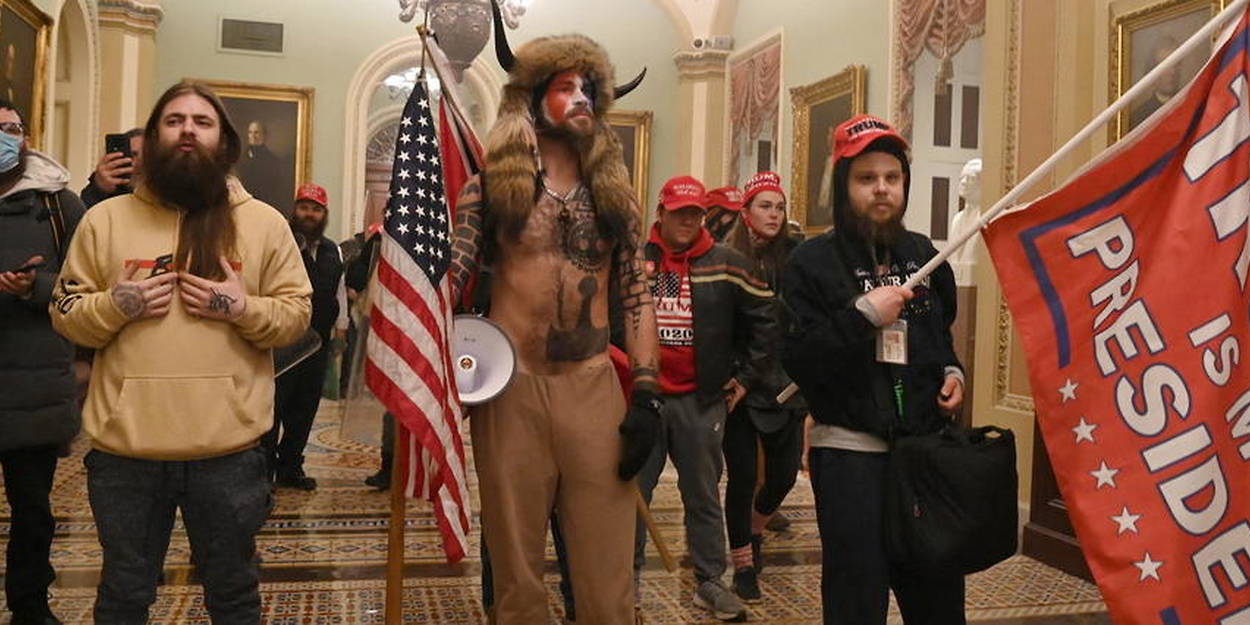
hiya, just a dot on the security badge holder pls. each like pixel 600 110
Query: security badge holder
pixel 892 343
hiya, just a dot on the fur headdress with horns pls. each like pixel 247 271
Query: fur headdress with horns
pixel 512 143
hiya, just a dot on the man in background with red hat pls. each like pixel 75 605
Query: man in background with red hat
pixel 715 321
pixel 724 205
pixel 875 361
pixel 298 391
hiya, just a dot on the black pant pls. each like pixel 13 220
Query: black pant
pixel 224 501
pixel 296 397
pixel 27 485
pixel 782 451
pixel 855 573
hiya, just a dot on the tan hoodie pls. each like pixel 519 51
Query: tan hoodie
pixel 179 387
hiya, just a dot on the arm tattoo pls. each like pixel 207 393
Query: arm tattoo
pixel 220 302
pixel 466 237
pixel 634 293
pixel 129 300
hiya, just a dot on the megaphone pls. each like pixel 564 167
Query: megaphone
pixel 482 358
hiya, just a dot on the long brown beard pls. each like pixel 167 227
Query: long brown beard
pixel 312 234
pixel 196 183
pixel 874 233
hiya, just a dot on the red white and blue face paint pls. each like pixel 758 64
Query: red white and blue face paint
pixel 569 100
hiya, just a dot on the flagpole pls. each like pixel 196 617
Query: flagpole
pixel 395 529
pixel 1147 81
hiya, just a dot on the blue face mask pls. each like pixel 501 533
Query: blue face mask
pixel 10 151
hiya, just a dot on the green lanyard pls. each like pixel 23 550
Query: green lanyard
pixel 898 397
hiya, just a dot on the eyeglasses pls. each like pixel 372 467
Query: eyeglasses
pixel 13 128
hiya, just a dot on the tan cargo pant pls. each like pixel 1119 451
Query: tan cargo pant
pixel 552 441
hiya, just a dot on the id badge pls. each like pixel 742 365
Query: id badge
pixel 892 343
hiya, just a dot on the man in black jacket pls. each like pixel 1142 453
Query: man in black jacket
pixel 875 361
pixel 114 174
pixel 38 407
pixel 298 391
pixel 716 324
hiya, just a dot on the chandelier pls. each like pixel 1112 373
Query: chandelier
pixel 462 26
pixel 399 84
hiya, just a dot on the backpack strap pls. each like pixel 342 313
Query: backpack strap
pixel 56 218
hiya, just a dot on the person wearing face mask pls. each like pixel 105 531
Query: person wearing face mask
pixel 38 410
pixel 763 237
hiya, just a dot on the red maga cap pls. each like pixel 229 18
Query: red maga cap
pixel 761 182
pixel 729 198
pixel 682 191
pixel 310 191
pixel 853 135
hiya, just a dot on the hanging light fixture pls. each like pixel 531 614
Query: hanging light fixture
pixel 462 26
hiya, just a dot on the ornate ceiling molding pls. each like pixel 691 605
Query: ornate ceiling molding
pixel 700 64
pixel 143 16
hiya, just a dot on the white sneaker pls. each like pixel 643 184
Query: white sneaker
pixel 712 596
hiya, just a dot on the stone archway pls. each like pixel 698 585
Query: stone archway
pixel 73 136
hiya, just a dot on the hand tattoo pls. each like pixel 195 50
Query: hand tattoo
pixel 220 302
pixel 128 298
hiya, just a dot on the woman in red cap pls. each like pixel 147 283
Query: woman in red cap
pixel 761 235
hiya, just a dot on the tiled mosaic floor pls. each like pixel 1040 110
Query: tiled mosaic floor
pixel 324 555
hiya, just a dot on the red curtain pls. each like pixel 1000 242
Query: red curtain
pixel 940 26
pixel 755 85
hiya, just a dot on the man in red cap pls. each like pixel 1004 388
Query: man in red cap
pixel 298 391
pixel 875 361
pixel 716 324
pixel 723 207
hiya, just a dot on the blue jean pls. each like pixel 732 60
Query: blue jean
pixel 224 502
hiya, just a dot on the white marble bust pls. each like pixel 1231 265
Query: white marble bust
pixel 964 259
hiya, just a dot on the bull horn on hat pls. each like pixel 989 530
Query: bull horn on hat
pixel 503 51
pixel 623 90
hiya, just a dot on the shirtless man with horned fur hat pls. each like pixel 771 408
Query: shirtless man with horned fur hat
pixel 554 213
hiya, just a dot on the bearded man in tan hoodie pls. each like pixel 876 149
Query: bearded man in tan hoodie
pixel 183 287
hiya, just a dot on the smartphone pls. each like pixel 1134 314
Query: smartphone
pixel 117 143
pixel 29 267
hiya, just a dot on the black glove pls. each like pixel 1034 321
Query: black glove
pixel 639 431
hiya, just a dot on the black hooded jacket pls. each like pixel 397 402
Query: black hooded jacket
pixel 829 347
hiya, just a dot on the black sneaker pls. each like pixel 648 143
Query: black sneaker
pixel 747 584
pixel 778 523
pixel 296 480
pixel 380 480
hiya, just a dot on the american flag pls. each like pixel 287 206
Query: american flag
pixel 408 366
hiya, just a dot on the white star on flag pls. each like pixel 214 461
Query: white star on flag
pixel 1068 391
pixel 403 209
pixel 421 139
pixel 423 122
pixel 403 156
pixel 1149 568
pixel 407 121
pixel 1105 475
pixel 403 173
pixel 1084 431
pixel 425 104
pixel 403 228
pixel 403 192
pixel 405 138
pixel 1126 521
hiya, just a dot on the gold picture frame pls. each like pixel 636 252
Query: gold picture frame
pixel 271 174
pixel 25 38
pixel 633 128
pixel 1137 37
pixel 818 108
